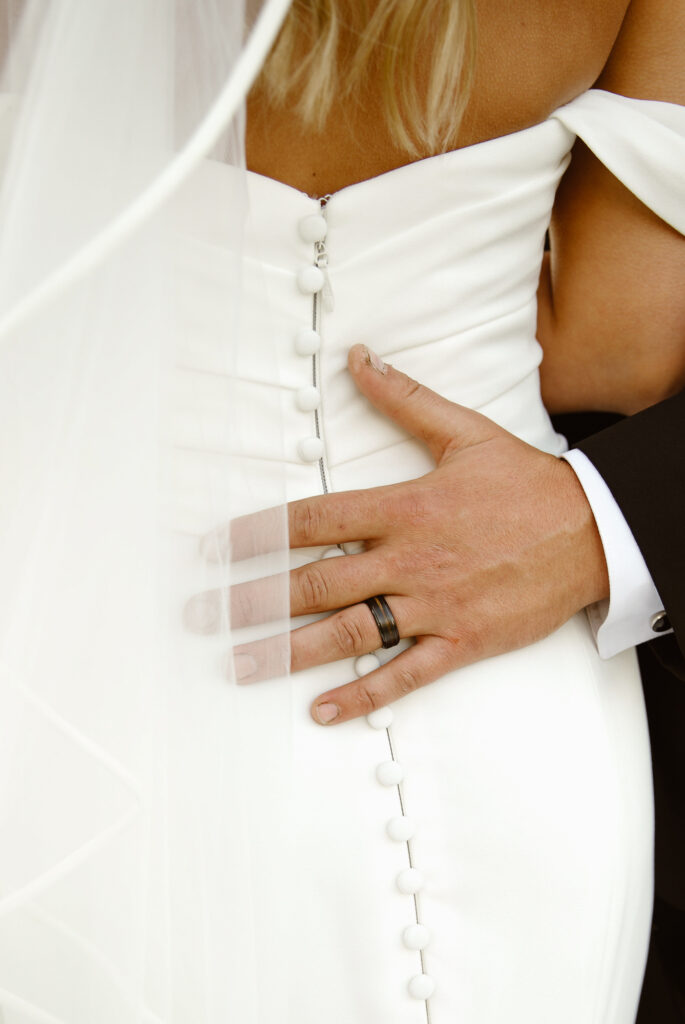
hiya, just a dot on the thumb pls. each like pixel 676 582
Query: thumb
pixel 439 423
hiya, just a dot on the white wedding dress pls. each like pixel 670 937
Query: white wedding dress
pixel 498 867
pixel 526 778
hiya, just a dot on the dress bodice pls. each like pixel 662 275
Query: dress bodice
pixel 435 265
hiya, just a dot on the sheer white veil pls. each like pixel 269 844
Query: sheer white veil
pixel 136 807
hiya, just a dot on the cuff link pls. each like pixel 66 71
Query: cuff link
pixel 660 623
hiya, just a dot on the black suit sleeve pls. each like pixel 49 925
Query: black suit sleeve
pixel 642 460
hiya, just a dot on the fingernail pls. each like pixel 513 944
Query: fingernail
pixel 201 614
pixel 376 361
pixel 327 712
pixel 245 666
pixel 209 548
pixel 214 547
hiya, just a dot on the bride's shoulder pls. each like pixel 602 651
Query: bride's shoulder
pixel 646 60
pixel 533 57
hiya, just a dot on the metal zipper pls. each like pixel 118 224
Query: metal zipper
pixel 320 300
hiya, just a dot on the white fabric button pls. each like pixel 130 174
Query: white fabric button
pixel 313 228
pixel 310 449
pixel 307 342
pixel 310 280
pixel 421 986
pixel 331 553
pixel 410 881
pixel 365 664
pixel 380 719
pixel 400 829
pixel 308 399
pixel 355 547
pixel 389 773
pixel 416 936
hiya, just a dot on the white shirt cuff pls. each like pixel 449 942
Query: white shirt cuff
pixel 634 607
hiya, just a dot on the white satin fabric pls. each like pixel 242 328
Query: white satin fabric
pixel 528 775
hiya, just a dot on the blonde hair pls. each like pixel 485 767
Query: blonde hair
pixel 327 49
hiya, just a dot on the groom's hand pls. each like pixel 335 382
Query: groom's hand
pixel 492 550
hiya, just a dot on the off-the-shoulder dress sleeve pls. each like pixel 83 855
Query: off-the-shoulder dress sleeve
pixel 642 143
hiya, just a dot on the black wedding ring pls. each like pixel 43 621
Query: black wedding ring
pixel 385 620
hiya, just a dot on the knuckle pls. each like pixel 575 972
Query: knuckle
pixel 244 606
pixel 415 506
pixel 453 634
pixel 421 561
pixel 348 636
pixel 306 522
pixel 412 388
pixel 406 681
pixel 436 560
pixel 312 589
pixel 473 645
pixel 465 642
pixel 367 699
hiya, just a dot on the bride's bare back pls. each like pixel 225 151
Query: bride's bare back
pixel 532 56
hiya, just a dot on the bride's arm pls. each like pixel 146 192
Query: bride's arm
pixel 611 315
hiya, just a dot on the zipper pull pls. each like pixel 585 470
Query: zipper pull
pixel 321 261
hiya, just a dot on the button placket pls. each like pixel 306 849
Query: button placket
pixel 313 280
pixel 401 829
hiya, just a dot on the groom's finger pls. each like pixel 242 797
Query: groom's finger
pixel 426 661
pixel 332 583
pixel 349 633
pixel 257 533
pixel 320 586
pixel 338 518
pixel 322 519
pixel 439 423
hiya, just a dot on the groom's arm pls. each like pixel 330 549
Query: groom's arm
pixel 642 461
